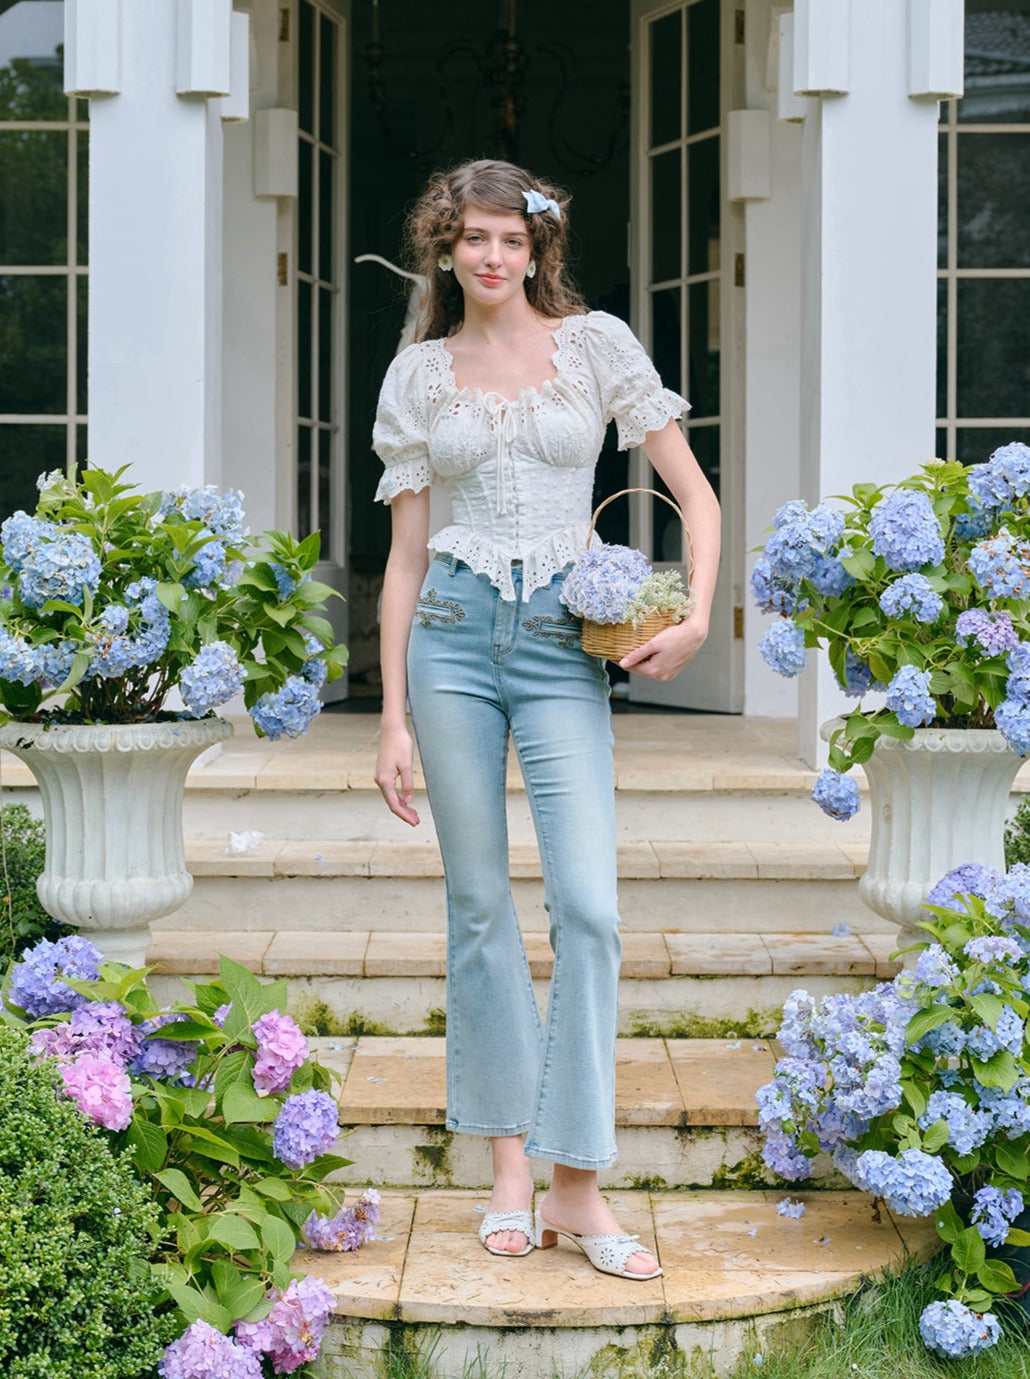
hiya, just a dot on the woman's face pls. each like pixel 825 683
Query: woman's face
pixel 491 255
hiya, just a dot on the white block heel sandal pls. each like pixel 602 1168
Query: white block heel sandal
pixel 495 1221
pixel 607 1253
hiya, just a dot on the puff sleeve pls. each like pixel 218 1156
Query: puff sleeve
pixel 632 392
pixel 401 429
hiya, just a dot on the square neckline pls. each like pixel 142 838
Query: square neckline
pixel 535 390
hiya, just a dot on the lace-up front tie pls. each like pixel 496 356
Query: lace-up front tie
pixel 505 426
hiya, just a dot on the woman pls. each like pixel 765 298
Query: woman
pixel 505 398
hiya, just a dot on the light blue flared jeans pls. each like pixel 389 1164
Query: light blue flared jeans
pixel 480 668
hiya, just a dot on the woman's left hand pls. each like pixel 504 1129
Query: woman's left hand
pixel 665 655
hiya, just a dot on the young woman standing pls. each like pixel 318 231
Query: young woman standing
pixel 505 398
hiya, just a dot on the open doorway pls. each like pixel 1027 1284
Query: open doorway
pixel 545 85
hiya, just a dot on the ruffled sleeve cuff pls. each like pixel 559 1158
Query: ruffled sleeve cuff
pixel 414 474
pixel 652 413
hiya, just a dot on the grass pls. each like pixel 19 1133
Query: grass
pixel 875 1336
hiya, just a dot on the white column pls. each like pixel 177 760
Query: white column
pixel 155 232
pixel 869 246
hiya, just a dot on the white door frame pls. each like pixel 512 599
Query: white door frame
pixel 714 680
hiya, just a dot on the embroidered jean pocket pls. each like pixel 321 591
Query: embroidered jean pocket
pixel 566 631
pixel 431 610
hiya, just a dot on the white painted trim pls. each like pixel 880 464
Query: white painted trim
pixel 936 48
pixel 747 155
pixel 275 152
pixel 236 106
pixel 790 108
pixel 822 47
pixel 92 47
pixel 202 47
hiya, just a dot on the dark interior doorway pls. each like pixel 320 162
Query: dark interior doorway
pixel 545 85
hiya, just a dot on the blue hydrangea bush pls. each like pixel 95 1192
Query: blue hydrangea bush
pixel 919 1091
pixel 110 599
pixel 231 1130
pixel 919 593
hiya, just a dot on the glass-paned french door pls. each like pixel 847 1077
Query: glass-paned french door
pixel 320 272
pixel 682 237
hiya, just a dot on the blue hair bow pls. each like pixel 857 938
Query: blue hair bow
pixel 536 201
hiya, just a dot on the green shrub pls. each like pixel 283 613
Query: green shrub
pixel 23 921
pixel 76 1228
pixel 1017 835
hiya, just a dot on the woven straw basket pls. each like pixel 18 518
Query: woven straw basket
pixel 613 640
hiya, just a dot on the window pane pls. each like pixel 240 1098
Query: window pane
pixel 82 248
pixel 994 348
pixel 304 398
pixel 325 216
pixel 976 444
pixel 703 205
pixel 942 444
pixel 942 201
pixel 325 354
pixel 31 68
pixel 703 329
pixel 33 197
pixel 303 482
pixel 82 304
pixel 942 347
pixel 993 192
pixel 304 206
pixel 997 63
pixel 33 344
pixel 325 505
pixel 666 527
pixel 306 68
pixel 327 83
pixel 666 223
pixel 704 441
pixel 702 66
pixel 25 453
pixel 667 333
pixel 666 79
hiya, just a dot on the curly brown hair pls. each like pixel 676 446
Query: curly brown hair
pixel 437 219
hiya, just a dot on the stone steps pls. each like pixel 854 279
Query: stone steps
pixel 737 1278
pixel 393 982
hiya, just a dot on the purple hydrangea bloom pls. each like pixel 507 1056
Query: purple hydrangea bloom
pixel 209 566
pixel 993 948
pixel 802 541
pixel 968 879
pixel 36 987
pixel 306 1127
pixel 908 694
pixel 781 1153
pixel 967 1129
pixel 18 660
pixel 21 535
pixel 993 633
pixel 783 648
pixel 946 1041
pixel 281 1050
pixel 314 670
pixel 1012 719
pixel 291 1334
pixel 984 1043
pixel 1010 1110
pixel 772 595
pixel 289 711
pixel 952 1329
pixel 213 678
pixel 349 1229
pixel 220 510
pixel 1018 685
pixel 858 678
pixel 100 1089
pixel 164 1060
pixel 912 594
pixel 836 795
pixel 913 1184
pixel 201 1352
pixel 934 967
pixel 905 531
pixel 830 577
pixel 994 1212
pixel 1001 566
pixel 603 581
pixel 100 1028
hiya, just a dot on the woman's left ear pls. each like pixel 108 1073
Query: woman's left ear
pixel 531 269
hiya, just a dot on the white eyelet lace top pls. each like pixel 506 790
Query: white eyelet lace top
pixel 519 472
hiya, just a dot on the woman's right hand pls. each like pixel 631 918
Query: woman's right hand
pixel 393 773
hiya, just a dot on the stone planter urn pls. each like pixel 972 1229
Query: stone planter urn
pixel 936 801
pixel 112 803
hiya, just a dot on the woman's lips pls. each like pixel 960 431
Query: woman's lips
pixel 489 278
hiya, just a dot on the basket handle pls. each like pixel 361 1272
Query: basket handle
pixel 688 543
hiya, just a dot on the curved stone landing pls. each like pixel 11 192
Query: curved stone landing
pixel 735 1272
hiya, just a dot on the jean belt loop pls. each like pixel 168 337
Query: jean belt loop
pixel 454 564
